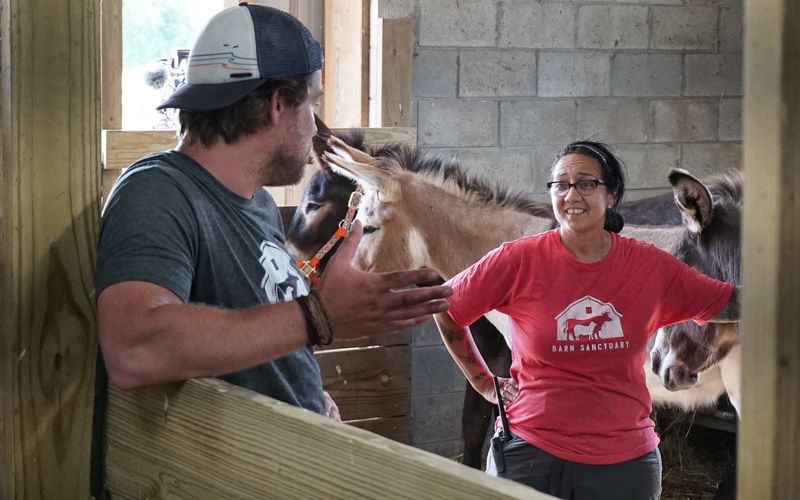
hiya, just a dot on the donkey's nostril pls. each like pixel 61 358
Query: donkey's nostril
pixel 655 361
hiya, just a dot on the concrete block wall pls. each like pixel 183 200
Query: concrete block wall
pixel 500 86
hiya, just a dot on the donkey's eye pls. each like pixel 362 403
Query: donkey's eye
pixel 312 207
pixel 370 229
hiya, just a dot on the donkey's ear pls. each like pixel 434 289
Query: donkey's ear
pixel 693 199
pixel 320 141
pixel 368 176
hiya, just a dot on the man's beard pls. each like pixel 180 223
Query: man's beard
pixel 285 169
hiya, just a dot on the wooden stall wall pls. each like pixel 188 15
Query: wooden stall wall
pixel 49 182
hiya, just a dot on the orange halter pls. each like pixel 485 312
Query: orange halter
pixel 309 267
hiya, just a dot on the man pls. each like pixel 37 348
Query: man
pixel 192 277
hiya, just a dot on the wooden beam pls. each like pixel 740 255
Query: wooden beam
pixel 366 18
pixel 123 147
pixel 49 175
pixel 110 77
pixel 111 65
pixel 769 439
pixel 205 439
pixel 398 41
pixel 343 68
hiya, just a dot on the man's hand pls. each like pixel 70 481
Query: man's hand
pixel 361 303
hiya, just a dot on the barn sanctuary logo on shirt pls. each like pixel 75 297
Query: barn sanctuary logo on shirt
pixel 589 324
pixel 281 281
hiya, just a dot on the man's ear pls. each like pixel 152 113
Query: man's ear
pixel 276 107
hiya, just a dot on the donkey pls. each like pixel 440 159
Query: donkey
pixel 326 188
pixel 710 244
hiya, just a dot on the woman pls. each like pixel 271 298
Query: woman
pixel 582 302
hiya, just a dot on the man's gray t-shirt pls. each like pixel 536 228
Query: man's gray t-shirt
pixel 168 221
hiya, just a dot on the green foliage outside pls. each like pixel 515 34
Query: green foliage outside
pixel 154 29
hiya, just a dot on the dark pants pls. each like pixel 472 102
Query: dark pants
pixel 637 479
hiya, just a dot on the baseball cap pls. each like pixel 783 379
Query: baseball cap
pixel 239 49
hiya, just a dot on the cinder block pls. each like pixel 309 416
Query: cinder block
pixel 425 334
pixel 730 28
pixel 714 74
pixel 570 74
pixel 687 120
pixel 532 24
pixel 435 73
pixel 434 372
pixel 437 418
pixel 612 27
pixel 497 73
pixel 530 122
pixel 614 120
pixel 647 165
pixel 706 159
pixel 730 119
pixel 656 74
pixel 396 9
pixel 455 123
pixel 685 28
pixel 545 156
pixel 458 23
pixel 511 169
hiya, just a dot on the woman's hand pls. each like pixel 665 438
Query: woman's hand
pixel 331 410
pixel 508 389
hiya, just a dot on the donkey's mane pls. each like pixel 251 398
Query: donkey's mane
pixel 726 186
pixel 450 175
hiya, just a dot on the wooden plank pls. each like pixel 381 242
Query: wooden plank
pixel 769 455
pixel 111 64
pixel 206 439
pixel 110 77
pixel 343 69
pixel 368 382
pixel 49 193
pixel 398 41
pixel 123 147
pixel 366 14
pixel 394 428
pixel 402 337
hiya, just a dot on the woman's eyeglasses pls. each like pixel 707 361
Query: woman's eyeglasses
pixel 586 186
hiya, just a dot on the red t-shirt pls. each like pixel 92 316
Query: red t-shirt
pixel 579 333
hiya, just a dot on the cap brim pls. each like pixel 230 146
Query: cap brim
pixel 209 96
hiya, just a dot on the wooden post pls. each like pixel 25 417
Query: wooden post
pixel 343 63
pixel 769 439
pixel 111 78
pixel 49 102
pixel 398 41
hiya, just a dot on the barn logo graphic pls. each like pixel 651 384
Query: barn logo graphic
pixel 281 280
pixel 588 319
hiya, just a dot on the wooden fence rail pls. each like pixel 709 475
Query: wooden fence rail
pixel 206 439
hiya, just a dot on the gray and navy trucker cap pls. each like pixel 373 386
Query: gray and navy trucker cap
pixel 239 49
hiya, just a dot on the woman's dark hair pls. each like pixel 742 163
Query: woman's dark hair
pixel 244 116
pixel 613 175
